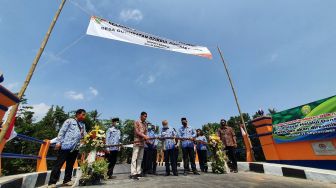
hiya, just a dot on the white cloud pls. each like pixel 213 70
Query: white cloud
pixel 90 6
pixel 151 79
pixel 73 95
pixel 40 110
pixel 12 86
pixel 94 91
pixel 52 57
pixel 131 14
pixel 145 79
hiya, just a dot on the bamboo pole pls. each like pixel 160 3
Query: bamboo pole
pixel 236 99
pixel 31 71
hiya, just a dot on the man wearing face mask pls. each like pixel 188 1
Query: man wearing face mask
pixel 228 137
pixel 168 134
pixel 188 135
pixel 112 138
pixel 149 162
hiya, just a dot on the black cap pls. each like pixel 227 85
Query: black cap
pixel 183 118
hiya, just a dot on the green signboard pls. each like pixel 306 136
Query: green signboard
pixel 313 121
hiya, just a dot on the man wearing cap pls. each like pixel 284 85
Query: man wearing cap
pixel 188 134
pixel 112 138
pixel 228 137
pixel 140 131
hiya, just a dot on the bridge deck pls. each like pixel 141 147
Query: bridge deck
pixel 241 179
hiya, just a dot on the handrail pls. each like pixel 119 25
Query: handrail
pixel 28 138
pixel 19 156
pixel 51 158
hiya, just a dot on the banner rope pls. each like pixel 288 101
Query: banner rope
pixel 61 52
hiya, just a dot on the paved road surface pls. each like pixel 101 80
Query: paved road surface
pixel 209 180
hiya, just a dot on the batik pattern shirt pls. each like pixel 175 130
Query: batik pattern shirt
pixel 69 135
pixel 113 138
pixel 168 143
pixel 187 132
pixel 200 145
pixel 227 135
pixel 140 127
pixel 151 143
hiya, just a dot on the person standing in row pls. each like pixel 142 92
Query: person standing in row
pixel 188 136
pixel 67 144
pixel 177 147
pixel 168 134
pixel 228 137
pixel 202 150
pixel 150 152
pixel 112 138
pixel 140 131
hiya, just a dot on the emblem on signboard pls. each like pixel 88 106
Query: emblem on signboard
pixel 305 109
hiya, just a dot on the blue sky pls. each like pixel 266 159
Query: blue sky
pixel 280 53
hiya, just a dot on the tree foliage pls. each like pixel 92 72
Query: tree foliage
pixel 48 126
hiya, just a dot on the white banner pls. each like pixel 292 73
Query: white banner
pixel 103 28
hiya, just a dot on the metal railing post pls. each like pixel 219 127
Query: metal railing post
pixel 42 161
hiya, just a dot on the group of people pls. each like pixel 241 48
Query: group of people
pixel 145 144
pixel 145 147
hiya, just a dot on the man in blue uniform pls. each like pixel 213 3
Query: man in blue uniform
pixel 68 141
pixel 112 138
pixel 149 152
pixel 167 135
pixel 188 135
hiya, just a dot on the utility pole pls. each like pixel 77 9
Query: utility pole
pixel 236 98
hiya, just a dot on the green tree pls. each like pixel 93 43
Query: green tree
pixel 127 135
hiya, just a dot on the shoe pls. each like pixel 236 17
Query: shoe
pixel 69 183
pixel 235 171
pixel 133 177
pixel 111 177
pixel 175 174
pixel 185 173
pixel 196 173
pixel 167 174
pixel 142 175
pixel 52 186
pixel 155 174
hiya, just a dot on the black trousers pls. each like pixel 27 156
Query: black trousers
pixel 154 163
pixel 203 159
pixel 112 159
pixel 189 155
pixel 149 160
pixel 176 154
pixel 63 156
pixel 169 159
pixel 232 156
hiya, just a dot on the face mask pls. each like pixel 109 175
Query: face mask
pixel 117 124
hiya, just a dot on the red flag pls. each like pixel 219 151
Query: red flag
pixel 10 128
